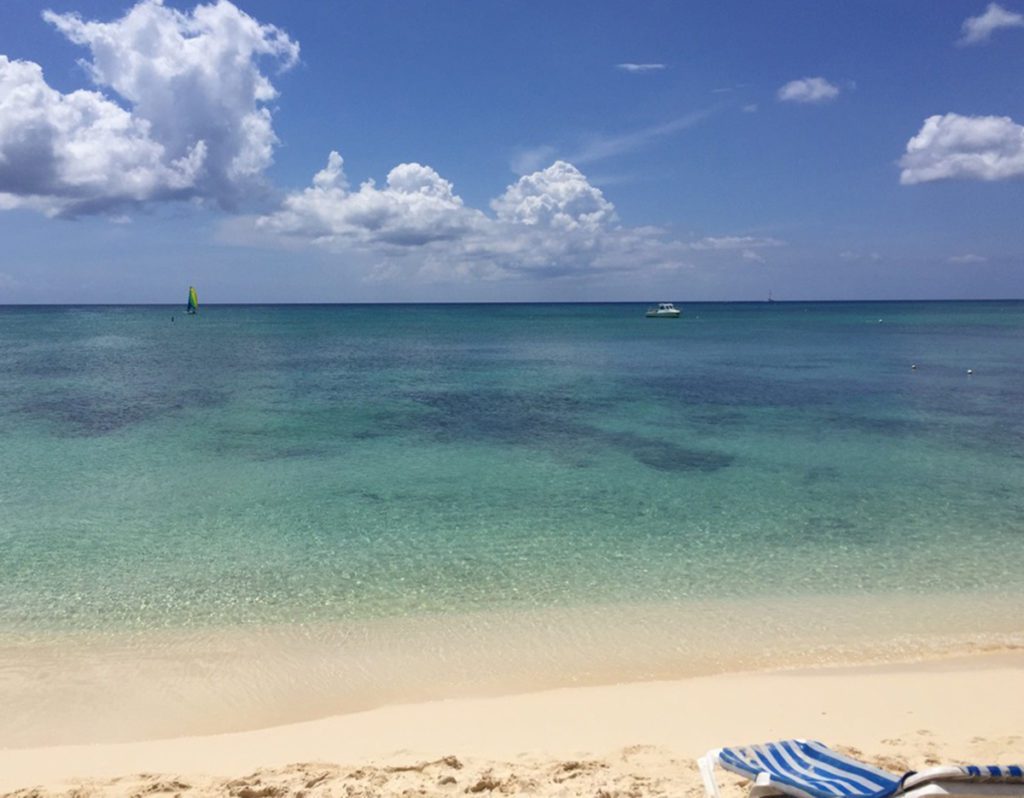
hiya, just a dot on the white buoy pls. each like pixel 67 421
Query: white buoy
pixel 970 371
pixel 913 365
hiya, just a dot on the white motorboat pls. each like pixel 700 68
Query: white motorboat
pixel 664 310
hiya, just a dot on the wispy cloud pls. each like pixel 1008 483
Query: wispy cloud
pixel 530 159
pixel 808 90
pixel 600 147
pixel 968 257
pixel 735 242
pixel 977 30
pixel 638 68
pixel 850 255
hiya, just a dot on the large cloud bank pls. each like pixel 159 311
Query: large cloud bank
pixel 194 123
pixel 550 222
pixel 964 147
pixel 179 111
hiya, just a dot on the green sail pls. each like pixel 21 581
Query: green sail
pixel 193 300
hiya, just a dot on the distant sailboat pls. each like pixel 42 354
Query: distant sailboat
pixel 770 297
pixel 193 301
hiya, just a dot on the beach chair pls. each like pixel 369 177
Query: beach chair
pixel 806 769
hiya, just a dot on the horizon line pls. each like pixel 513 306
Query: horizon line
pixel 505 302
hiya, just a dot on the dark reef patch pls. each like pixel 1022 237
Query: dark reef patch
pixel 667 456
pixel 550 421
pixel 90 414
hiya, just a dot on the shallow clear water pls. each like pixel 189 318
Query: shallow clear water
pixel 265 514
pixel 258 465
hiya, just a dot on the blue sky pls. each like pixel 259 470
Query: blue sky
pixel 518 151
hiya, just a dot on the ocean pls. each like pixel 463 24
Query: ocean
pixel 270 513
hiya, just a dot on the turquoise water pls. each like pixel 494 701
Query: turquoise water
pixel 265 465
pixel 269 514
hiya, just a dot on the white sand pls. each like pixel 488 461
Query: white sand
pixel 628 739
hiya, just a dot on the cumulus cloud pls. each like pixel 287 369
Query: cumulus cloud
pixel 637 68
pixel 416 206
pixel 558 197
pixel 808 90
pixel 964 147
pixel 193 123
pixel 72 150
pixel 977 30
pixel 551 222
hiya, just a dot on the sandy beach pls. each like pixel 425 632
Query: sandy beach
pixel 626 739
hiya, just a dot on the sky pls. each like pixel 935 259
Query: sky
pixel 404 150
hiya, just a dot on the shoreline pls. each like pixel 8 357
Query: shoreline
pixel 954 707
pixel 76 689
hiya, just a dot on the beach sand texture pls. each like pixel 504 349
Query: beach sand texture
pixel 637 739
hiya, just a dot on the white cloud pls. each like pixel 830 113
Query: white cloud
pixel 735 242
pixel 552 222
pixel 195 126
pixel 977 30
pixel 601 147
pixel 751 255
pixel 849 255
pixel 637 68
pixel 967 258
pixel 808 90
pixel 751 108
pixel 60 151
pixel 416 207
pixel 558 197
pixel 964 147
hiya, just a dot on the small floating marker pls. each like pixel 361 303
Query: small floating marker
pixel 913 366
pixel 970 371
pixel 879 321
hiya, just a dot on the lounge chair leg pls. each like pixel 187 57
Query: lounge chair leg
pixel 706 765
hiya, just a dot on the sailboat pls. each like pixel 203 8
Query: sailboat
pixel 193 301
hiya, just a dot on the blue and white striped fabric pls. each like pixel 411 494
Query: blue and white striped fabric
pixel 995 772
pixel 807 769
pixel 810 770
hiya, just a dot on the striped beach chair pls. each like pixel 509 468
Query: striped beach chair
pixel 807 769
